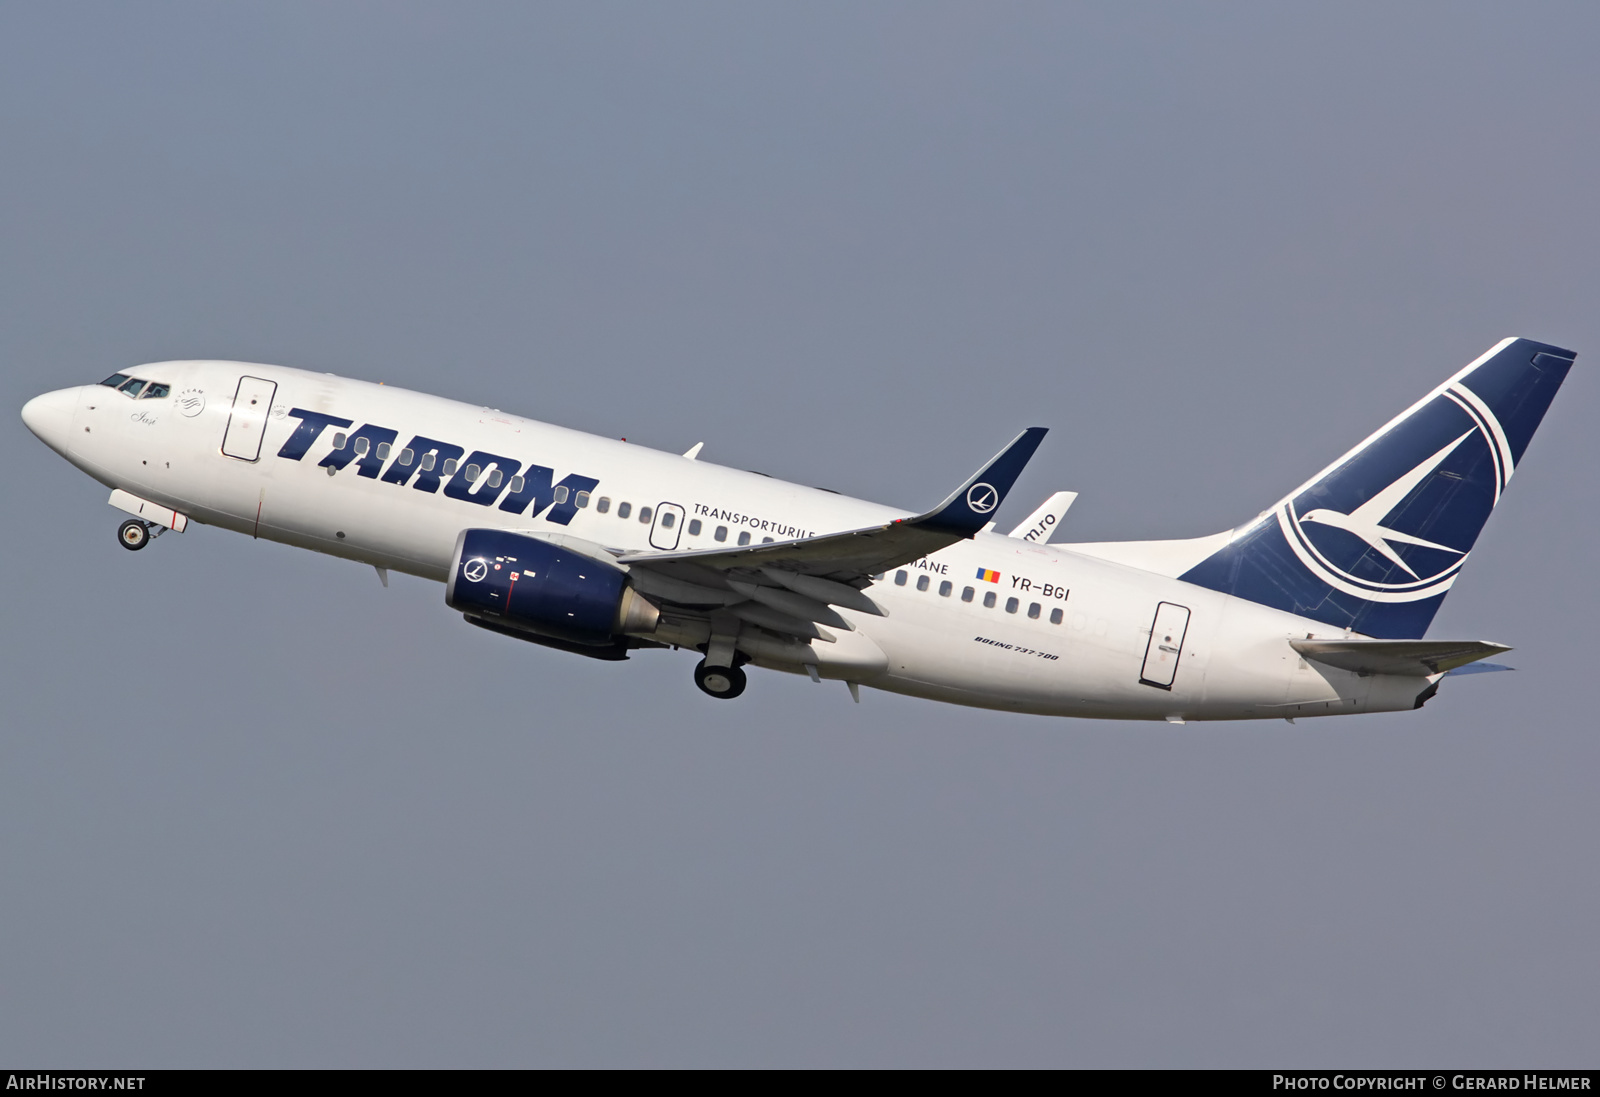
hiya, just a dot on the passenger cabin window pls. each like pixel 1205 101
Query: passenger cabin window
pixel 131 388
pixel 470 474
pixel 645 514
pixel 405 458
pixel 721 534
pixel 362 446
pixel 427 462
pixel 383 447
pixel 516 485
pixel 668 519
pixel 766 540
pixel 495 477
pixel 988 599
pixel 449 467
pixel 966 594
pixel 1033 611
pixel 561 494
pixel 945 588
pixel 744 537
pixel 115 380
pixel 694 527
pixel 155 391
pixel 900 578
pixel 339 440
pixel 922 582
pixel 582 499
pixel 1055 617
pixel 624 509
pixel 603 505
pixel 1011 605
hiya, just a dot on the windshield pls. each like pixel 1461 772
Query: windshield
pixel 135 388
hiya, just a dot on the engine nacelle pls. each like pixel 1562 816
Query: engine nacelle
pixel 532 585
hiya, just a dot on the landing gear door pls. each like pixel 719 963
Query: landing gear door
pixel 248 422
pixel 1161 654
pixel 668 526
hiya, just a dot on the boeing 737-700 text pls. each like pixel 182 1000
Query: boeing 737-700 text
pixel 592 546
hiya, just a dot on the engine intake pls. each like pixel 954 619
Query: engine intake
pixel 525 583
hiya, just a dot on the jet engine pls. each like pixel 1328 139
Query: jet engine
pixel 508 580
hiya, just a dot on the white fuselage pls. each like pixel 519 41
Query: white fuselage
pixel 1087 660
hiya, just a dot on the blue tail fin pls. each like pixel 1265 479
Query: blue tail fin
pixel 1374 541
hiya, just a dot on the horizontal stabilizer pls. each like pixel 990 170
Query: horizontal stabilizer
pixel 1411 658
pixel 1478 668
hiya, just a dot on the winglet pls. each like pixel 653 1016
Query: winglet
pixel 969 507
pixel 1039 525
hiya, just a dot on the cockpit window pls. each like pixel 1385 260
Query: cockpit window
pixel 135 389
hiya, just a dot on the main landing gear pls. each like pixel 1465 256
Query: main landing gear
pixel 723 682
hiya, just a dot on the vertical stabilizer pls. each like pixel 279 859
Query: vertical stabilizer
pixel 1374 542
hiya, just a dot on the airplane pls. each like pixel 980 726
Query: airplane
pixel 596 547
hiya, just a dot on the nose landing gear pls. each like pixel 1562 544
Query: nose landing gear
pixel 723 682
pixel 134 535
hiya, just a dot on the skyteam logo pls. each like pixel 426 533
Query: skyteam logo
pixel 1395 521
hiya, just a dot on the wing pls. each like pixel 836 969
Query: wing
pixel 788 586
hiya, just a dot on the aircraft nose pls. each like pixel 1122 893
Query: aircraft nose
pixel 50 417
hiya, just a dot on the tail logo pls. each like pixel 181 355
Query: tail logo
pixel 1377 524
pixel 982 498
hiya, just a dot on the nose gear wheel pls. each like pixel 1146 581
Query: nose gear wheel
pixel 133 535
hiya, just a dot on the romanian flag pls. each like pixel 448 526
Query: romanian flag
pixel 988 576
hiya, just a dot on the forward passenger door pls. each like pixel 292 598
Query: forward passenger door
pixel 248 420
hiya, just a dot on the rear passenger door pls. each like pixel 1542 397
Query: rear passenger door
pixel 1161 654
